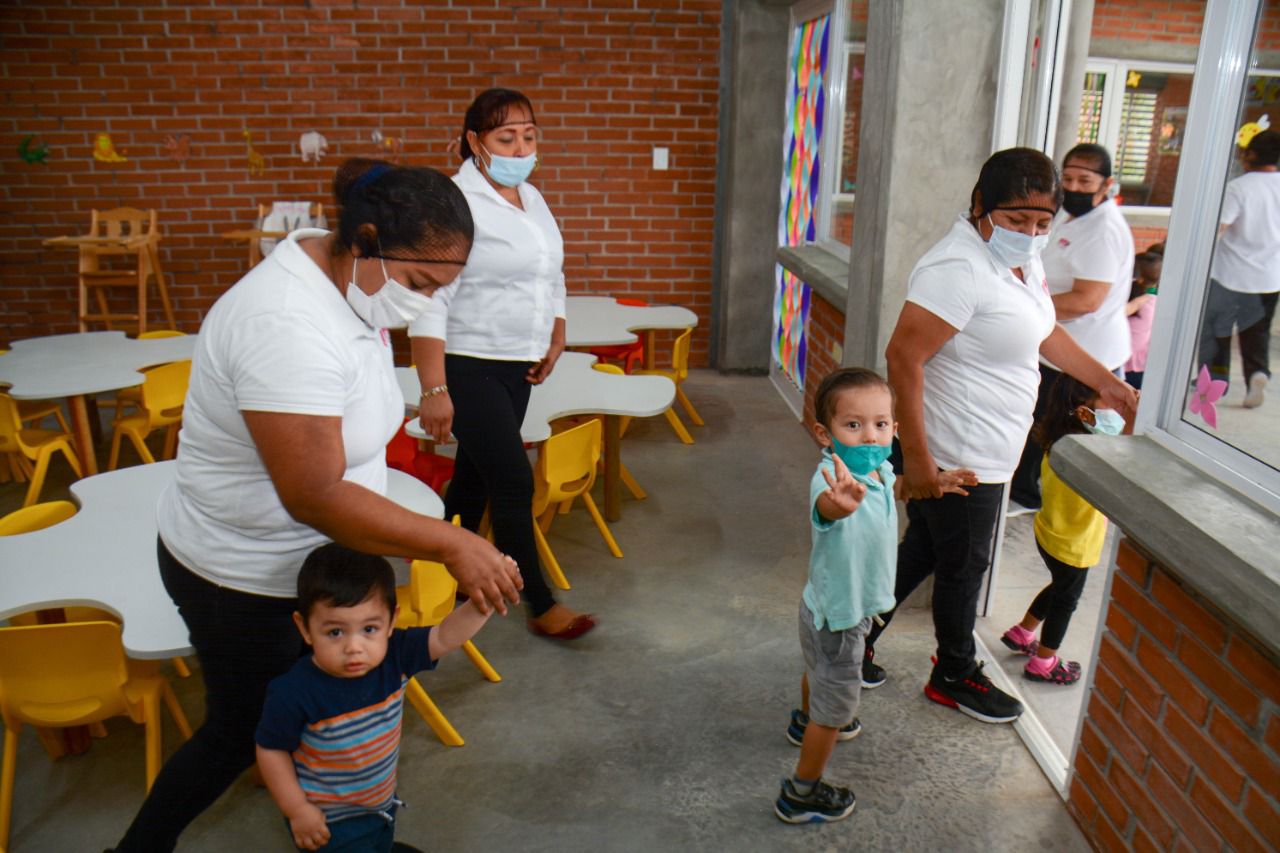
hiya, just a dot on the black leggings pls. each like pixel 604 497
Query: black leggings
pixel 243 641
pixel 950 537
pixel 492 468
pixel 1057 601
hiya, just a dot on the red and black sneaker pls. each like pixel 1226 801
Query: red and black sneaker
pixel 973 694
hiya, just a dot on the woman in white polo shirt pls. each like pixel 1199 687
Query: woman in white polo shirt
pixel 963 363
pixel 292 401
pixel 493 335
pixel 1089 265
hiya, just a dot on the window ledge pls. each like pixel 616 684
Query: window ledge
pixel 826 273
pixel 1213 538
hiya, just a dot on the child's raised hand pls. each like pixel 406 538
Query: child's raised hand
pixel 843 492
pixel 310 832
pixel 953 481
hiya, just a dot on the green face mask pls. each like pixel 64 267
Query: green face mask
pixel 861 458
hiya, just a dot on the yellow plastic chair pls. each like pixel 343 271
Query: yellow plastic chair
pixel 624 474
pixel 677 373
pixel 71 675
pixel 163 392
pixel 133 396
pixel 566 469
pixel 38 517
pixel 33 411
pixel 430 596
pixel 32 445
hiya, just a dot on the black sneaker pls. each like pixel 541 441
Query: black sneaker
pixel 800 722
pixel 974 695
pixel 873 674
pixel 824 803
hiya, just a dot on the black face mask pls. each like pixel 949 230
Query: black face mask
pixel 1077 204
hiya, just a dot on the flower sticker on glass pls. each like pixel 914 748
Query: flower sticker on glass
pixel 1207 392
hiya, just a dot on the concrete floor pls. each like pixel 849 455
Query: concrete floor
pixel 663 729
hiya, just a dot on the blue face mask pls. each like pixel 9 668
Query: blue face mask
pixel 861 458
pixel 1013 248
pixel 510 171
pixel 1106 422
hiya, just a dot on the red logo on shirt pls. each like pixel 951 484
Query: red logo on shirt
pixel 1063 242
pixel 1044 282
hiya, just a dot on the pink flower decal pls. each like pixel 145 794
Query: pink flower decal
pixel 1207 392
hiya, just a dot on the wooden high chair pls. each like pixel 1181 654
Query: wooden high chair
pixel 114 234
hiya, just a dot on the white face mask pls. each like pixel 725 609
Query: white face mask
pixel 1013 248
pixel 393 306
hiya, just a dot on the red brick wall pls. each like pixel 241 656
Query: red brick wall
pixel 610 79
pixel 826 330
pixel 1170 21
pixel 1181 741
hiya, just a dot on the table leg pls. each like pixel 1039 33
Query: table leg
pixel 612 467
pixel 81 433
pixel 650 336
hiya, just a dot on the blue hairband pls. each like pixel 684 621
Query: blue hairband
pixel 370 176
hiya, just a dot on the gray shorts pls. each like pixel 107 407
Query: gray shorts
pixel 833 663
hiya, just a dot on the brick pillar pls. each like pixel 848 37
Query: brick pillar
pixel 1181 741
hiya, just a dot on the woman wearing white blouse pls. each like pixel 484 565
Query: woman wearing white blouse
pixel 494 333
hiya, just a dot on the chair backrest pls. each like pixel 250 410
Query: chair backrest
pixel 62 675
pixel 680 355
pixel 567 463
pixel 288 216
pixel 430 595
pixel 123 222
pixel 164 389
pixel 160 333
pixel 10 425
pixel 36 517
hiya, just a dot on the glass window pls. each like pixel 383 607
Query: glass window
pixel 847 174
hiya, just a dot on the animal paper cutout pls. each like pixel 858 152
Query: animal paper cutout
pixel 1133 80
pixel 179 147
pixel 1250 129
pixel 257 163
pixel 389 147
pixel 104 151
pixel 312 146
pixel 30 154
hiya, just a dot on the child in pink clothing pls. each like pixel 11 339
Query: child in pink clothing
pixel 1141 310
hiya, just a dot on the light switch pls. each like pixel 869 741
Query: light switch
pixel 660 159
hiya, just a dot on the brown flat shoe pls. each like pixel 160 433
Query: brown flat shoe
pixel 578 625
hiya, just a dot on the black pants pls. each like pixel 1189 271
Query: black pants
pixel 243 641
pixel 1252 314
pixel 489 401
pixel 1025 486
pixel 950 537
pixel 1057 601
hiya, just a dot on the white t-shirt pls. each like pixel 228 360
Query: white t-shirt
pixel 282 339
pixel 506 300
pixel 1095 247
pixel 980 387
pixel 1247 259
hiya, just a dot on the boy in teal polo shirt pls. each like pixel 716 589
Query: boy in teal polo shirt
pixel 852 564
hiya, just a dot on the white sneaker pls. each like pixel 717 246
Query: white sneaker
pixel 1257 388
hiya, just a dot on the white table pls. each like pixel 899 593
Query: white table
pixel 595 321
pixel 77 365
pixel 105 556
pixel 575 388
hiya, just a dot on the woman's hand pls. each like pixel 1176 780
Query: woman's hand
pixel 540 371
pixel 436 416
pixel 484 574
pixel 920 478
pixel 309 829
pixel 1119 395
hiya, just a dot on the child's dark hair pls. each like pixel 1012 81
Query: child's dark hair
pixel 824 403
pixel 1146 272
pixel 1014 175
pixel 489 110
pixel 1059 417
pixel 1265 148
pixel 339 576
pixel 414 212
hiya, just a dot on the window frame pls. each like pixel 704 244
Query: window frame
pixel 1221 69
pixel 830 186
pixel 834 86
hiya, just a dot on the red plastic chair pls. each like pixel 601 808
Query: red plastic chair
pixel 631 355
pixel 404 454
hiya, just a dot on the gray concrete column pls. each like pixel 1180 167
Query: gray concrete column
pixel 1073 70
pixel 928 107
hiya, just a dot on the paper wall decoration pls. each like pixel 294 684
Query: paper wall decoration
pixel 31 154
pixel 1133 80
pixel 312 147
pixel 104 151
pixel 257 163
pixel 179 147
pixel 389 147
pixel 1250 129
pixel 1207 392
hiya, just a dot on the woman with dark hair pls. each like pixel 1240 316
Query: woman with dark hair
pixel 292 401
pixel 1089 265
pixel 963 362
pixel 493 335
